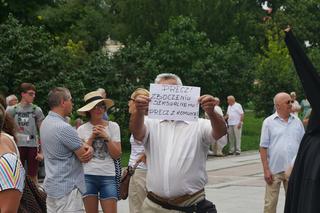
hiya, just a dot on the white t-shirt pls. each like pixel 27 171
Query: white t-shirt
pixel 136 150
pixel 296 107
pixel 101 162
pixel 234 114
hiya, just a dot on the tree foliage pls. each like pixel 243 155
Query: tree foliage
pixel 29 54
pixel 220 19
pixel 81 21
pixel 23 11
pixel 275 73
pixel 190 54
pixel 303 16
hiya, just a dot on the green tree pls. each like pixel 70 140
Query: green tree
pixel 234 71
pixel 303 16
pixel 213 67
pixel 23 11
pixel 275 73
pixel 29 54
pixel 87 21
pixel 133 67
pixel 182 50
pixel 221 20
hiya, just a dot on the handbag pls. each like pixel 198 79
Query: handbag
pixel 33 199
pixel 125 180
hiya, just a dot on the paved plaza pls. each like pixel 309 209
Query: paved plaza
pixel 235 184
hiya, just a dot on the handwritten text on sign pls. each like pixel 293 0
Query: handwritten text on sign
pixel 174 102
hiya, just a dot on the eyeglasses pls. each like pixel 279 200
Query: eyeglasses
pixel 100 106
pixel 290 102
pixel 31 93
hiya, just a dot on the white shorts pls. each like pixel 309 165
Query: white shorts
pixel 71 202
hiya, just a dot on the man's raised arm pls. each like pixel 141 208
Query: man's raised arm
pixel 136 125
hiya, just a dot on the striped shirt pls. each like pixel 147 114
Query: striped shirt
pixel 64 171
pixel 12 173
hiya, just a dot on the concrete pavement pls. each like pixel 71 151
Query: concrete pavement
pixel 235 184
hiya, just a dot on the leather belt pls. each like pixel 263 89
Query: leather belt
pixel 176 200
pixel 171 204
pixel 188 209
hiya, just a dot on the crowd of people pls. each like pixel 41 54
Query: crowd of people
pixel 169 156
pixel 79 162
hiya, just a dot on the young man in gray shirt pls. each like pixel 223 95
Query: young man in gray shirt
pixel 28 118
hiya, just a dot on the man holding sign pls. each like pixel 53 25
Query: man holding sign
pixel 176 145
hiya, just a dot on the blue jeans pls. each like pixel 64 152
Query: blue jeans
pixel 104 187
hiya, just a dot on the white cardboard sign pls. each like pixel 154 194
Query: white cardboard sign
pixel 174 102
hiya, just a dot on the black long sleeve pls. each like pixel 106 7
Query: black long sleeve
pixel 309 78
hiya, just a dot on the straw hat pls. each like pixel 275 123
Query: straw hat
pixel 91 100
pixel 139 91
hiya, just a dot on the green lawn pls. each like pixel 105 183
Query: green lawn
pixel 250 136
pixel 251 132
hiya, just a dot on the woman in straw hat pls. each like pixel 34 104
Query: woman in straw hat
pixel 137 185
pixel 104 137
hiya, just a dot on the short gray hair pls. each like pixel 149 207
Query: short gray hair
pixel 10 98
pixel 166 76
pixel 231 97
pixel 57 95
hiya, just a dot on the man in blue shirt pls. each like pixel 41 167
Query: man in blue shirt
pixel 64 154
pixel 281 135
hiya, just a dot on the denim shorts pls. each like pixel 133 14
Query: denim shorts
pixel 104 187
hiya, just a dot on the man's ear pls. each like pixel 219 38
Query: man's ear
pixel 62 102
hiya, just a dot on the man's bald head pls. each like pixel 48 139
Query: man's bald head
pixel 283 104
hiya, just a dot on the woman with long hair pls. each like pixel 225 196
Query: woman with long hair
pixel 12 173
pixel 104 137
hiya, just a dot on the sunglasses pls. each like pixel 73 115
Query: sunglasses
pixel 290 102
pixel 100 106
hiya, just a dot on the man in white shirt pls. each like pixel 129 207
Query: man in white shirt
pixel 176 154
pixel 234 117
pixel 281 135
pixel 218 145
